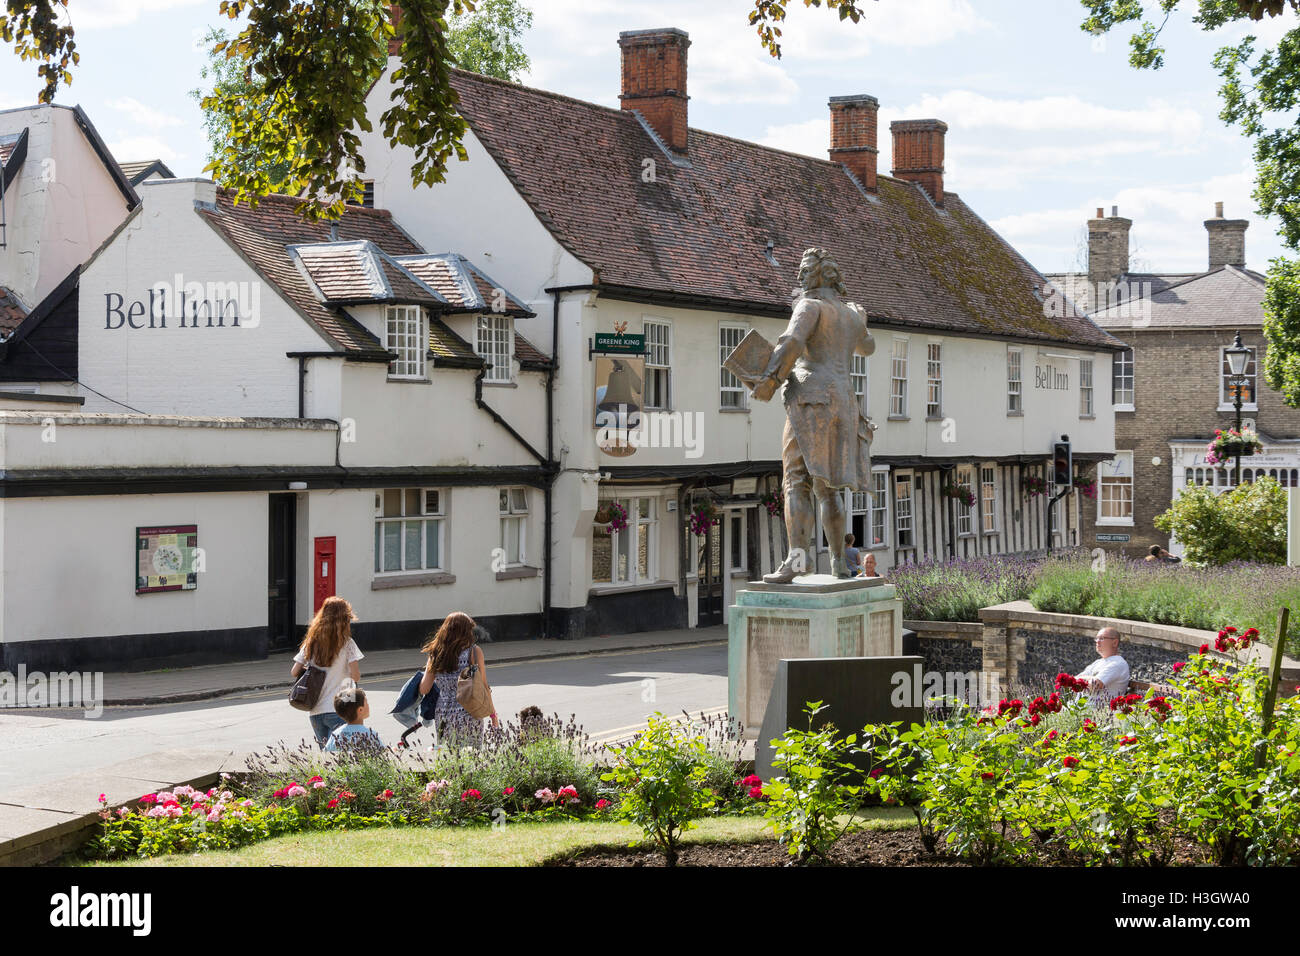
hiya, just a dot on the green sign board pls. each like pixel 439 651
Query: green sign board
pixel 612 344
pixel 1112 537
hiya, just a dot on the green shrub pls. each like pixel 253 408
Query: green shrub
pixel 1247 523
pixel 812 788
pixel 662 774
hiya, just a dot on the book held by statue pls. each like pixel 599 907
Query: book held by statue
pixel 749 360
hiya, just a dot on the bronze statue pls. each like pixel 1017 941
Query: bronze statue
pixel 826 445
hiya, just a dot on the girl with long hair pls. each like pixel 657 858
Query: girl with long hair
pixel 329 645
pixel 451 649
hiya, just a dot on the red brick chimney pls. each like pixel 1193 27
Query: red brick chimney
pixel 918 153
pixel 654 81
pixel 395 42
pixel 853 136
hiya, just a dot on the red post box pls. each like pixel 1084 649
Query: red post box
pixel 322 572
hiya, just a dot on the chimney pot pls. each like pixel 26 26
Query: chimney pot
pixel 1227 240
pixel 395 41
pixel 1101 213
pixel 918 153
pixel 654 81
pixel 853 136
pixel 1114 210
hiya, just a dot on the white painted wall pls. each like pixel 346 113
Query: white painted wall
pixel 71 559
pixel 60 207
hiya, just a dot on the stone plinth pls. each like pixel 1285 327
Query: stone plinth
pixel 817 616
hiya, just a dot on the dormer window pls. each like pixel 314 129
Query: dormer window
pixel 407 335
pixel 494 342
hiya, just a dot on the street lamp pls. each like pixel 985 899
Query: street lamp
pixel 1237 356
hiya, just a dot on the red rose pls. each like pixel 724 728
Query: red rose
pixel 1069 763
pixel 988 775
pixel 470 795
pixel 508 791
pixel 1205 649
pixel 1125 741
pixel 1034 719
pixel 1088 725
pixel 1179 665
pixel 756 793
pixel 877 772
pixel 752 781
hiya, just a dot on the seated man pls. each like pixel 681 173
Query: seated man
pixel 869 566
pixel 852 555
pixel 1108 677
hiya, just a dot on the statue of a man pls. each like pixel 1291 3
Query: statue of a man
pixel 826 446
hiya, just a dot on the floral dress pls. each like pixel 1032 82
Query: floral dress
pixel 451 719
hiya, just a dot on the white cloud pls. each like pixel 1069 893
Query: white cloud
pixel 1168 233
pixel 102 14
pixel 965 109
pixel 811 137
pixel 144 115
pixel 820 34
pixel 127 149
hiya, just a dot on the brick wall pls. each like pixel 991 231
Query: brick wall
pixel 1176 395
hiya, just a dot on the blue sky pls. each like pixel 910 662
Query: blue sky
pixel 1045 123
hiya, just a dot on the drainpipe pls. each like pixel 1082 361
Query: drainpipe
pixel 552 466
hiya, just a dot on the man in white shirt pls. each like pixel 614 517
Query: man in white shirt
pixel 1108 677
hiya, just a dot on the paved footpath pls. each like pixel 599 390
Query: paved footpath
pixel 144 688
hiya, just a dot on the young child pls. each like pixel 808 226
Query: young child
pixel 350 704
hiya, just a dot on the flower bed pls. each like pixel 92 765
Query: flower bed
pixel 545 770
pixel 956 590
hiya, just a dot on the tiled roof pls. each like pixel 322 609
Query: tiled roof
pixel 6 147
pixel 1227 297
pixel 450 348
pixel 465 286
pixel 12 312
pixel 262 234
pixel 357 272
pixel 137 172
pixel 702 230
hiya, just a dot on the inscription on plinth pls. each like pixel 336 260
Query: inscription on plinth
pixel 770 640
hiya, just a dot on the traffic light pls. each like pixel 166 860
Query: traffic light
pixel 1062 464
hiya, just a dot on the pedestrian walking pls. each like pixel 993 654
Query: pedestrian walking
pixel 452 649
pixel 329 645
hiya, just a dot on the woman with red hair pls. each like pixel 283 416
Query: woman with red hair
pixel 451 649
pixel 329 645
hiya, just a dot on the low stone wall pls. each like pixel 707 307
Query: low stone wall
pixel 949 646
pixel 1027 648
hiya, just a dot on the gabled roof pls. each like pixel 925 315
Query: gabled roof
pixel 12 312
pixel 464 286
pixel 350 273
pixel 263 235
pixel 1226 297
pixel 698 231
pixel 138 172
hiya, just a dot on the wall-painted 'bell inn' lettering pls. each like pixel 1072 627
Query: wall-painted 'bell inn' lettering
pixel 216 305
pixel 1049 377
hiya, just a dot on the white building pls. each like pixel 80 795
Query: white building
pixel 322 410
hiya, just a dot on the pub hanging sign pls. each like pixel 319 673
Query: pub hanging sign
pixel 167 558
pixel 618 342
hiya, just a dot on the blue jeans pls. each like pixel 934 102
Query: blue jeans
pixel 322 725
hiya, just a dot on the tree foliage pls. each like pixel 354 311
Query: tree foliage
pixel 1260 90
pixel 486 40
pixel 308 67
pixel 1247 523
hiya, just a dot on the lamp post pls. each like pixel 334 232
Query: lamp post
pixel 1237 356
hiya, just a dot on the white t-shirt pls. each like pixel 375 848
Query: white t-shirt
pixel 335 674
pixel 1112 671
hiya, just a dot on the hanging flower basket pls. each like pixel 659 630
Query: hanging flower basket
pixel 703 517
pixel 1230 443
pixel 616 516
pixel 772 502
pixel 1034 485
pixel 959 493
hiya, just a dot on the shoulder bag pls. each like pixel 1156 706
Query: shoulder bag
pixel 472 691
pixel 305 692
